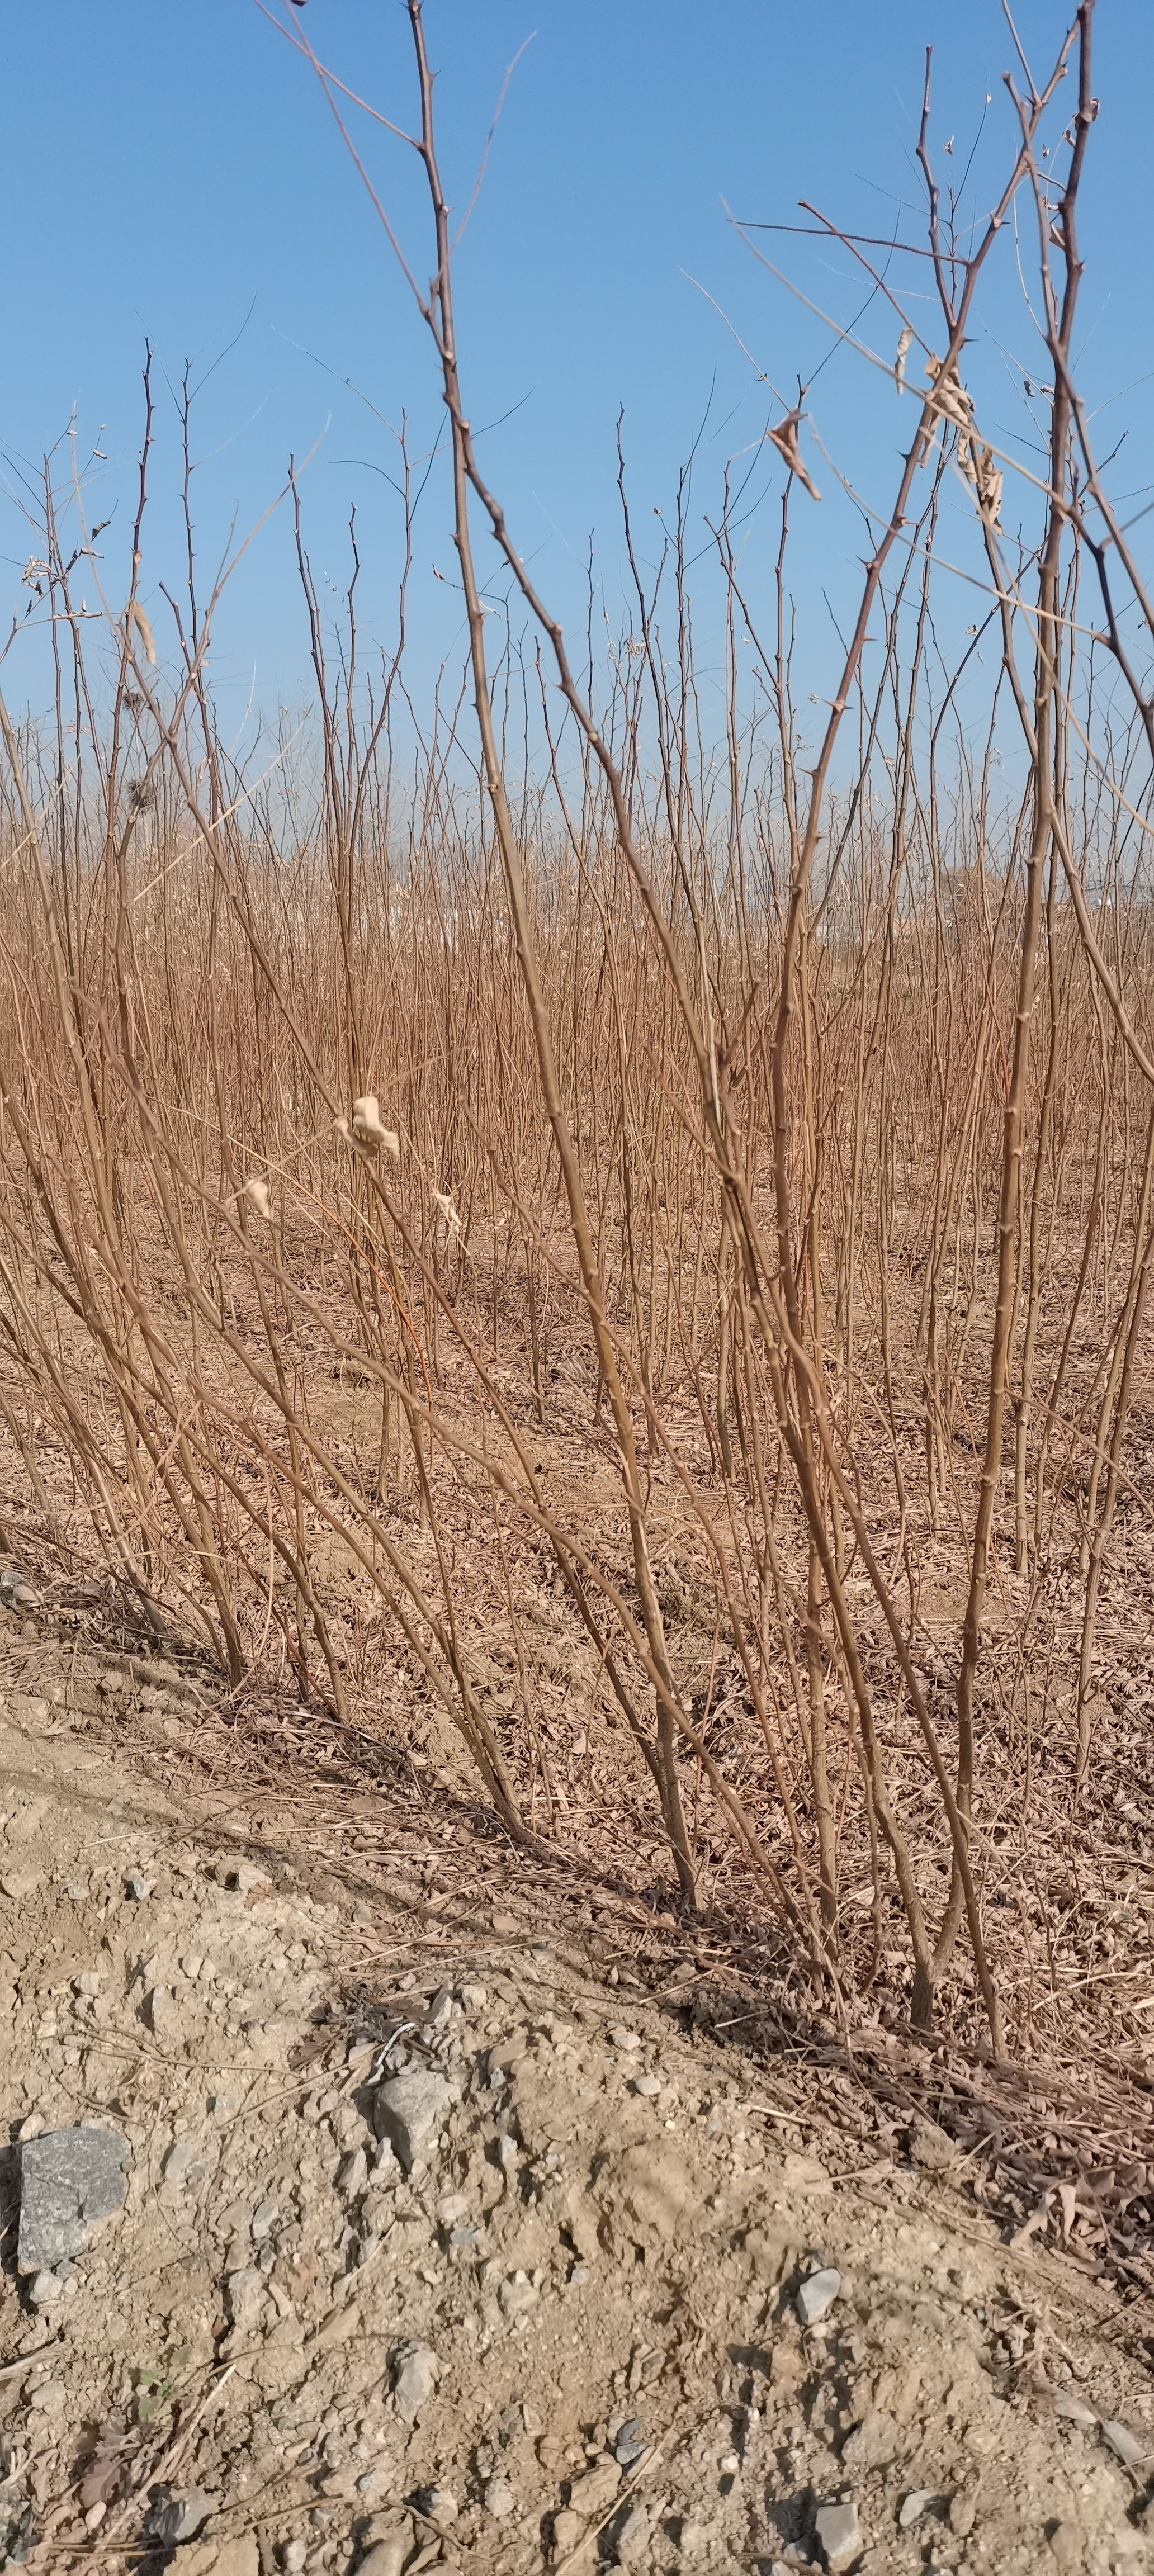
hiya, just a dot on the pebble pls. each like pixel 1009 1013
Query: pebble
pixel 647 2085
pixel 45 2288
pixel 914 2506
pixel 409 2111
pixel 175 2518
pixel 816 2295
pixel 263 2221
pixel 440 2506
pixel 839 2535
pixel 1073 2409
pixel 416 2371
pixel 499 2499
pixel 627 2448
pixel 292 2557
pixel 1124 2444
pixel 593 2493
pixel 69 2178
pixel 136 1886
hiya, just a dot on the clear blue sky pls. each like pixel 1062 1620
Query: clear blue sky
pixel 170 164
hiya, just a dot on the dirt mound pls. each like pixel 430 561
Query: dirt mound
pixel 477 2263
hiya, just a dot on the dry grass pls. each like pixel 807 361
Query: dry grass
pixel 628 1267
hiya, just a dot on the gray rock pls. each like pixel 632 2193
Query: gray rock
pixel 1124 2444
pixel 68 2180
pixel 838 2535
pixel 173 2518
pixel 136 1886
pixel 628 2449
pixel 499 2499
pixel 914 2506
pixel 44 2289
pixel 263 2221
pixel 416 2371
pixel 1073 2409
pixel 409 2110
pixel 816 2295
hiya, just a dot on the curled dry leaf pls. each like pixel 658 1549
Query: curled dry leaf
pixel 368 1129
pixel 137 618
pixel 785 439
pixel 256 1191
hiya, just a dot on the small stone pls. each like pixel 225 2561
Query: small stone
pixel 647 2085
pixel 263 2221
pixel 729 2465
pixel 293 2555
pixel 628 2449
pixel 499 2499
pixel 568 2530
pixel 416 2371
pixel 45 2289
pixel 914 2506
pixel 593 2493
pixel 1124 2444
pixel 838 2534
pixel 816 2295
pixel 174 2518
pixel 1068 2545
pixel 1073 2409
pixel 136 1886
pixel 440 2506
pixel 963 2516
pixel 409 2111
pixel 69 2178
pixel 353 2174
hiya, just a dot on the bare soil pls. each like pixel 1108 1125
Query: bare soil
pixel 592 2269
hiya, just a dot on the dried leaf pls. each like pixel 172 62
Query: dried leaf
pixel 785 440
